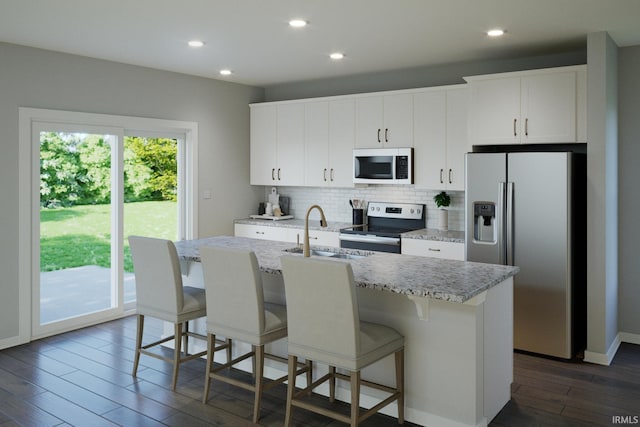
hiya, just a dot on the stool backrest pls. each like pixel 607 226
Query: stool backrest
pixel 157 274
pixel 322 307
pixel 233 288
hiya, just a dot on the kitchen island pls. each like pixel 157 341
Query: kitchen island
pixel 457 319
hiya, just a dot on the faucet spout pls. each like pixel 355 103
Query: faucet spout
pixel 323 223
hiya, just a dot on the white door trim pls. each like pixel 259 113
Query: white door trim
pixel 28 201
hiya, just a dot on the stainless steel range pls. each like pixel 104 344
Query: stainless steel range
pixel 385 223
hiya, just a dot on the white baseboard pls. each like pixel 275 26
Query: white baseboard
pixel 630 338
pixel 603 358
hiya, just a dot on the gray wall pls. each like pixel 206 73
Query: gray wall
pixel 602 196
pixel 417 77
pixel 43 79
pixel 629 176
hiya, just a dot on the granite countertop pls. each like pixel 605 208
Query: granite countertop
pixel 439 235
pixel 448 280
pixel 422 234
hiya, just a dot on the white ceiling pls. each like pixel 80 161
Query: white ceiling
pixel 252 37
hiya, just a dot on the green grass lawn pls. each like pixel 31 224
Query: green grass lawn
pixel 80 235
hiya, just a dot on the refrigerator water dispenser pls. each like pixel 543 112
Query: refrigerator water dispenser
pixel 484 222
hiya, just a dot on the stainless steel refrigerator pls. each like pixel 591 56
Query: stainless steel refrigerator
pixel 528 209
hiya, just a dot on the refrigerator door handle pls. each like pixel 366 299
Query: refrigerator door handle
pixel 509 223
pixel 500 224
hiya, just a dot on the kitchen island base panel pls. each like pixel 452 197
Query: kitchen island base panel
pixel 459 362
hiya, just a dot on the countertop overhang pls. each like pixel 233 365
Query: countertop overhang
pixel 440 279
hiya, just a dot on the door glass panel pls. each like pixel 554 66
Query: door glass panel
pixel 150 196
pixel 75 225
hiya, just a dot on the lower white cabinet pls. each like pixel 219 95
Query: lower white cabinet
pixel 318 237
pixel 286 234
pixel 433 248
pixel 280 234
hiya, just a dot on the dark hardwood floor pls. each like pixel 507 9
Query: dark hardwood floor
pixel 83 378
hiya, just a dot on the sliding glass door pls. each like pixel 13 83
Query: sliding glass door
pixel 96 188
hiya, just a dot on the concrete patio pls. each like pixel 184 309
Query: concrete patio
pixel 76 291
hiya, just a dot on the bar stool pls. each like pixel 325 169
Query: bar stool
pixel 160 294
pixel 324 326
pixel 236 309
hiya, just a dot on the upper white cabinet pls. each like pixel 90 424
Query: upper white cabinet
pixel 277 148
pixel 440 138
pixel 329 141
pixel 264 134
pixel 384 120
pixel 529 107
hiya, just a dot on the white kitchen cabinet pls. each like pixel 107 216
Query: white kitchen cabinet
pixel 281 234
pixel 440 138
pixel 263 149
pixel 287 234
pixel 529 107
pixel 384 121
pixel 433 248
pixel 317 237
pixel 329 141
pixel 277 144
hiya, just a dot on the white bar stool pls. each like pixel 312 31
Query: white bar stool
pixel 237 310
pixel 324 326
pixel 160 294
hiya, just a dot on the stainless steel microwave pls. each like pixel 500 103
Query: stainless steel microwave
pixel 383 165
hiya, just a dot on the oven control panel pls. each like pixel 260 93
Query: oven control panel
pixel 395 210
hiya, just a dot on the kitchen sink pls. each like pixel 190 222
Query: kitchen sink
pixel 338 253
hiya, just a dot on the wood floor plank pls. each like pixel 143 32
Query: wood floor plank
pixel 83 378
pixel 122 396
pixel 127 417
pixel 59 386
pixel 24 413
pixel 41 361
pixel 64 409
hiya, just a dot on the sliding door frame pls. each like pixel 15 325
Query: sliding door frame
pixel 31 122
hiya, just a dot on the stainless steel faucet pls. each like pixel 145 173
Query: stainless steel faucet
pixel 323 223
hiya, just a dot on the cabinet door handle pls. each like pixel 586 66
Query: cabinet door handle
pixel 450 177
pixel 278 174
pixel 331 174
pixel 324 174
pixel 378 135
pixel 526 127
pixel 434 250
pixel 386 135
pixel 441 172
pixel 259 232
pixel 515 133
pixel 273 171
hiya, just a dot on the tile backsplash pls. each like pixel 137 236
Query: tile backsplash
pixel 335 201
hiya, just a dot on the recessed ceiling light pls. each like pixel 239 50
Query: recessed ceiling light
pixel 298 23
pixel 226 72
pixel 495 33
pixel 336 55
pixel 196 43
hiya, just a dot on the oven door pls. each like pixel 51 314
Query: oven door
pixel 370 242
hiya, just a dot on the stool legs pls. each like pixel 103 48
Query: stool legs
pixel 259 373
pixel 291 387
pixel 176 354
pixel 136 359
pixel 400 384
pixel 355 397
